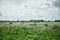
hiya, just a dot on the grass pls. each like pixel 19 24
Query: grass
pixel 29 33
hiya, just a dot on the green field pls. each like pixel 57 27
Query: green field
pixel 30 31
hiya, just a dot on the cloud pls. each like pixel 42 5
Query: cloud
pixel 56 3
pixel 0 14
pixel 28 9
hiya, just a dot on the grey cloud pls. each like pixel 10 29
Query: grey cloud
pixel 48 4
pixel 12 1
pixel 56 3
pixel 0 14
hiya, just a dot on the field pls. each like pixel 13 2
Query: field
pixel 30 31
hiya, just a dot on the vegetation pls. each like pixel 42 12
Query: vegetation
pixel 46 24
pixel 31 21
pixel 26 33
pixel 36 20
pixel 57 20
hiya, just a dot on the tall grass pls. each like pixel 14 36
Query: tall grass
pixel 25 33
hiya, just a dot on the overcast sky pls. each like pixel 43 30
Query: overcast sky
pixel 29 9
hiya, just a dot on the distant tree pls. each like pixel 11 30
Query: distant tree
pixel 36 20
pixel 17 20
pixel 48 21
pixel 57 20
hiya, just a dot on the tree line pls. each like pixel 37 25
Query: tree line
pixel 32 21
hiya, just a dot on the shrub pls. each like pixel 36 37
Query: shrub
pixel 46 24
pixel 56 27
pixel 10 22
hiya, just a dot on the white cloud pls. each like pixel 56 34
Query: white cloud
pixel 28 9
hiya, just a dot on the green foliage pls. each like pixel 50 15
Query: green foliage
pixel 36 20
pixel 57 31
pixel 10 22
pixel 33 24
pixel 25 33
pixel 46 24
pixel 29 33
pixel 56 27
pixel 57 20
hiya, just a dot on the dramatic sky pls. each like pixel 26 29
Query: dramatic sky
pixel 29 9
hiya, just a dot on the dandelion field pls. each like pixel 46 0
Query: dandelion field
pixel 35 32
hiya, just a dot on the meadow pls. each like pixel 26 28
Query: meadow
pixel 30 31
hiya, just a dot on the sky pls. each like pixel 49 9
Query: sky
pixel 29 9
